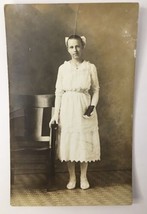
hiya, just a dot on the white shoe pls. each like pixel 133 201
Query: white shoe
pixel 84 183
pixel 71 184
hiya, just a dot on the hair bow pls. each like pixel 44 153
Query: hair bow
pixel 82 37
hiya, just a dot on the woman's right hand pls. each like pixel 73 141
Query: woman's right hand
pixel 53 120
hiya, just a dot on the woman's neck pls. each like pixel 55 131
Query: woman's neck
pixel 77 61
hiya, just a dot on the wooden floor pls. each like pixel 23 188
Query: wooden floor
pixel 107 188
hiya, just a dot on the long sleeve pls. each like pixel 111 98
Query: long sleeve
pixel 58 92
pixel 94 86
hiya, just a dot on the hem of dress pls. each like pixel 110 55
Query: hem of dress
pixel 63 160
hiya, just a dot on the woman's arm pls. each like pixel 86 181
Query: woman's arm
pixel 95 92
pixel 58 92
pixel 58 96
pixel 94 86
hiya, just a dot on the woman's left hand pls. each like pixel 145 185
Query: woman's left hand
pixel 89 111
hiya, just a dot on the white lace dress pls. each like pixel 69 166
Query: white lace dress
pixel 78 137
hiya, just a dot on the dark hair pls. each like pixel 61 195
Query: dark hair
pixel 74 36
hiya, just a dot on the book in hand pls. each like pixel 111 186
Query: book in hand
pixel 88 113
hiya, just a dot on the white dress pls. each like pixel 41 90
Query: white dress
pixel 78 137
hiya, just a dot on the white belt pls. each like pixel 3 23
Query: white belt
pixel 84 91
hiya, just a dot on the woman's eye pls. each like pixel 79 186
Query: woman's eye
pixel 71 47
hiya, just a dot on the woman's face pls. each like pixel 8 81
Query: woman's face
pixel 75 48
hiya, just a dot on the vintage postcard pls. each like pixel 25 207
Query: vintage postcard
pixel 71 71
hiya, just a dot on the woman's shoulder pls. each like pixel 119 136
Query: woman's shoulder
pixel 64 65
pixel 90 65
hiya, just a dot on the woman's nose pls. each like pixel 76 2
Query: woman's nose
pixel 75 49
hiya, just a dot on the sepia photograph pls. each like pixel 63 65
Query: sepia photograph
pixel 71 72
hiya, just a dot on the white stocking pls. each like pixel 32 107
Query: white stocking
pixel 72 176
pixel 83 180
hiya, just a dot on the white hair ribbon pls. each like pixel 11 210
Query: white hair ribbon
pixel 83 39
pixel 66 39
